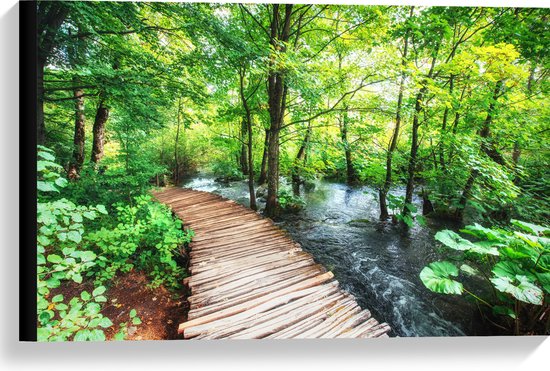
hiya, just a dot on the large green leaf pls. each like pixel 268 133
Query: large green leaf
pixel 521 288
pixel 456 242
pixel 531 228
pixel 436 277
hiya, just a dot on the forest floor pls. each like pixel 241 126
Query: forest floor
pixel 159 309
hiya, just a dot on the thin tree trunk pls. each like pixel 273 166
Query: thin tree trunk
pixel 79 135
pixel 486 147
pixel 101 117
pixel 383 192
pixel 444 128
pixel 176 144
pixel 243 160
pixel 300 158
pixel 263 167
pixel 351 174
pixel 248 123
pixel 414 138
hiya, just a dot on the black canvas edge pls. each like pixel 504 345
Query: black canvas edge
pixel 27 170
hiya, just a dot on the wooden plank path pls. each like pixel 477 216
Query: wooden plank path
pixel 250 280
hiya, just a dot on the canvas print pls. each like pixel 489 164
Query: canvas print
pixel 277 171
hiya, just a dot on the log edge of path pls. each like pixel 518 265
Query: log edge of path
pixel 250 280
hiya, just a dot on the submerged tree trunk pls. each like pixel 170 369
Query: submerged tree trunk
pixel 383 191
pixel 263 167
pixel 277 92
pixel 79 135
pixel 101 117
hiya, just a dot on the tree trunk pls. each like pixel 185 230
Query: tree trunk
pixel 263 167
pixel 243 159
pixel 300 158
pixel 277 92
pixel 486 147
pixel 444 128
pixel 101 117
pixel 176 144
pixel 247 125
pixel 383 191
pixel 79 135
pixel 414 151
pixel 351 174
pixel 414 138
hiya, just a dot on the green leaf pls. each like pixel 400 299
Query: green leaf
pixel 133 313
pixel 53 283
pixel 85 295
pixel 57 298
pixel 119 335
pixel 436 277
pixel 82 335
pixel 499 309
pixel 105 322
pixel 74 236
pixel 99 290
pixel 531 228
pixel 87 256
pixel 136 321
pixel 520 288
pixel 453 240
pixel 53 258
pixel 456 242
pixel 46 186
pixel 42 334
pixel 100 299
pixel 61 306
pixel 61 182
pixel 77 278
pixel 101 209
pixel 468 270
pixel 510 270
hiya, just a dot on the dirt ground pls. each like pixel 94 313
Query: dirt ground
pixel 160 310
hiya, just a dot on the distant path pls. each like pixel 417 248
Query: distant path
pixel 250 280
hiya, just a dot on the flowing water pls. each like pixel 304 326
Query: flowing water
pixel 377 262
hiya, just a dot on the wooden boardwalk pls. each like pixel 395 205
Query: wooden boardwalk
pixel 250 280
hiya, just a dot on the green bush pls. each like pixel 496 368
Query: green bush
pixel 76 242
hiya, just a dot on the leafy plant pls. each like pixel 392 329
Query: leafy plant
pixel 514 264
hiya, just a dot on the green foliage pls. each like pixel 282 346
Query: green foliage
pixel 144 235
pixel 288 201
pixel 514 264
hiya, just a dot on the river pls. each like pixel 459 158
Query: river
pixel 378 263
